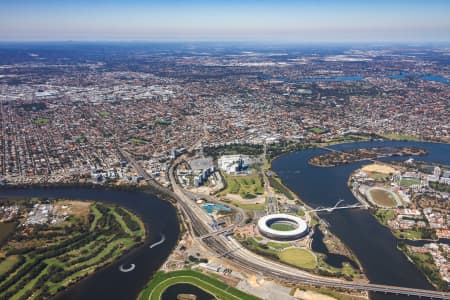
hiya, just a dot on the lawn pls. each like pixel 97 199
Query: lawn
pixel 384 215
pixel 249 206
pixel 378 176
pixel 317 130
pixel 8 263
pixel 401 137
pixel 409 182
pixel 410 234
pixel 39 121
pixel 246 186
pixel 298 257
pixel 279 187
pixel 282 227
pixel 138 141
pixel 254 245
pixel 103 114
pixel 278 245
pixel 161 281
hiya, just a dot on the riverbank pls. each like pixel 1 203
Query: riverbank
pixel 424 262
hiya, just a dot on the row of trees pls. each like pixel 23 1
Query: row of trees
pixel 442 187
pixel 20 262
pixel 129 221
pixel 245 149
pixel 24 280
pixel 275 150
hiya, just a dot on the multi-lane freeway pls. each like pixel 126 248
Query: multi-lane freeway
pixel 229 249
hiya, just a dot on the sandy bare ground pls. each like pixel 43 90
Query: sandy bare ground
pixel 310 295
pixel 257 200
pixel 378 168
pixel 201 190
pixel 78 208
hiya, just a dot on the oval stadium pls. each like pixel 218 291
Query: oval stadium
pixel 282 227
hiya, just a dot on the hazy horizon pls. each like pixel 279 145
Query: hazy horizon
pixel 285 21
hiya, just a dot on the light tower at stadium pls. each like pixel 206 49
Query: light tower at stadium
pixel 300 228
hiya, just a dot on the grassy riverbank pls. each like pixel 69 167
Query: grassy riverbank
pixel 425 263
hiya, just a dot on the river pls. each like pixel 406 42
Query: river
pixel 372 243
pixel 110 283
pixel 426 77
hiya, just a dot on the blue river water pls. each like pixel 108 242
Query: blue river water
pixel 372 243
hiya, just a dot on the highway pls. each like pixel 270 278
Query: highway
pixel 229 249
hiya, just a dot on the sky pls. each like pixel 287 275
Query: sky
pixel 226 20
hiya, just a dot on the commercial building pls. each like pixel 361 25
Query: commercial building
pixel 232 164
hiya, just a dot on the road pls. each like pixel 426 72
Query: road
pixel 272 203
pixel 229 249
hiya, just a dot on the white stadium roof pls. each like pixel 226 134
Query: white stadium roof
pixel 300 230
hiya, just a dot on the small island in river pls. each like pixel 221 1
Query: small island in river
pixel 56 243
pixel 334 158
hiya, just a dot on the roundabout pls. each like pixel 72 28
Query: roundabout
pixel 282 227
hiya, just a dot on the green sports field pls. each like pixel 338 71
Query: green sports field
pixel 298 257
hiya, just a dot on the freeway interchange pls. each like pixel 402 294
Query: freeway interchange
pixel 229 249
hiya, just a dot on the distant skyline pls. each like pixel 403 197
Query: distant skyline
pixel 232 20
